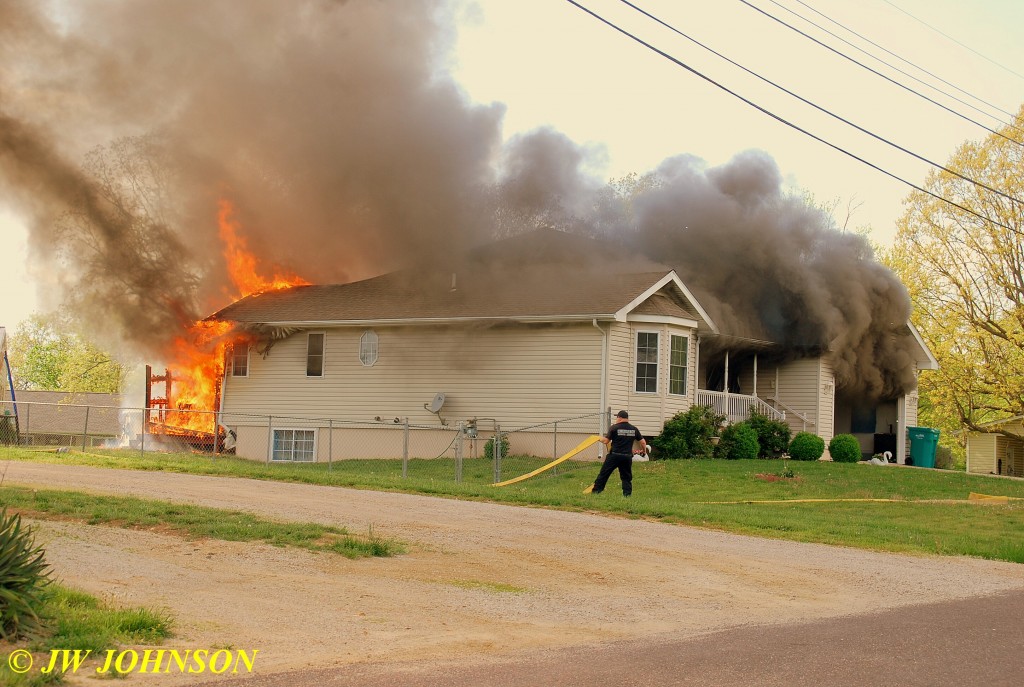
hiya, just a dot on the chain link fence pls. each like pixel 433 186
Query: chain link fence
pixel 462 452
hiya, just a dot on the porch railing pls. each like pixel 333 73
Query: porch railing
pixel 736 407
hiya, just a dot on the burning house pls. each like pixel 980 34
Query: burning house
pixel 538 327
pixel 371 169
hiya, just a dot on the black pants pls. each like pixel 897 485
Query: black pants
pixel 624 463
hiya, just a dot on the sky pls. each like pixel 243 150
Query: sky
pixel 552 65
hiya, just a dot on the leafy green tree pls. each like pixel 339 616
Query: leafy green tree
pixel 964 269
pixel 47 354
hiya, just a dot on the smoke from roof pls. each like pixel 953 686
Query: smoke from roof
pixel 346 150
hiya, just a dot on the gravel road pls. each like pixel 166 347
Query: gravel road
pixel 479 580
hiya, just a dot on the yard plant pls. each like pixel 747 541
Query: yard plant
pixel 806 446
pixel 844 448
pixel 738 442
pixel 772 435
pixel 689 434
pixel 24 575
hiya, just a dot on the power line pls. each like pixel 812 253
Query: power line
pixel 946 35
pixel 891 66
pixel 878 73
pixel 776 117
pixel 785 90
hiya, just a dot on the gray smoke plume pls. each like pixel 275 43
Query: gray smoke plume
pixel 771 267
pixel 347 151
pixel 328 124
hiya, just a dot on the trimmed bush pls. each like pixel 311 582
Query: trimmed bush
pixel 844 448
pixel 772 435
pixel 489 447
pixel 688 435
pixel 806 446
pixel 23 576
pixel 738 442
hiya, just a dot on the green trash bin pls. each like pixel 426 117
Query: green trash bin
pixel 923 442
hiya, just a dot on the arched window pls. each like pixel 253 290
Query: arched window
pixel 368 348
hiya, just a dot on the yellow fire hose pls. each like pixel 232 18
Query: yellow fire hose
pixel 589 441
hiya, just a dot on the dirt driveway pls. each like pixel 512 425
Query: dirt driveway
pixel 479 579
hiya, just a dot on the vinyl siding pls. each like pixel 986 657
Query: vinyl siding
pixel 518 374
pixel 911 401
pixel 648 411
pixel 797 392
pixel 981 453
pixel 1011 453
pixel 826 412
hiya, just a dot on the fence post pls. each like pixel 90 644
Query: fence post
pixel 497 453
pixel 216 433
pixel 458 453
pixel 270 437
pixel 554 450
pixel 405 448
pixel 28 423
pixel 85 429
pixel 330 445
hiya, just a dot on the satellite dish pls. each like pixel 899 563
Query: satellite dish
pixel 436 404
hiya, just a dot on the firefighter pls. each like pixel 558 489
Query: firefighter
pixel 620 438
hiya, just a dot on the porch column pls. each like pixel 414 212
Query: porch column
pixel 726 386
pixel 755 375
pixel 696 370
pixel 901 430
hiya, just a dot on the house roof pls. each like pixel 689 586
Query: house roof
pixel 543 275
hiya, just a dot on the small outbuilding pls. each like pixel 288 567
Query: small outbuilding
pixel 999 451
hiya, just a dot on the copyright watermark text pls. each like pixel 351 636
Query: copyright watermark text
pixel 126 661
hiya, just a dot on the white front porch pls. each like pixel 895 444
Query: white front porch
pixel 736 407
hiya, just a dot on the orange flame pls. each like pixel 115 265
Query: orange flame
pixel 241 263
pixel 199 354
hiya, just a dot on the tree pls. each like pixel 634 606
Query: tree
pixel 47 354
pixel 964 268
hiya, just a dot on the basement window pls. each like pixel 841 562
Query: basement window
pixel 315 354
pixel 647 362
pixel 368 348
pixel 298 445
pixel 677 365
pixel 239 361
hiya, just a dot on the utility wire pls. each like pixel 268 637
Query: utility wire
pixel 788 123
pixel 785 90
pixel 894 67
pixel 878 73
pixel 946 35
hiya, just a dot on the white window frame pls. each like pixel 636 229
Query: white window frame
pixel 656 363
pixel 231 360
pixel 293 459
pixel 323 354
pixel 686 367
pixel 369 348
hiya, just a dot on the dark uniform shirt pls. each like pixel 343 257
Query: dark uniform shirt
pixel 622 435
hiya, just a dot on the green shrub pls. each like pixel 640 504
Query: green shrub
pixel 772 435
pixel 489 447
pixel 23 576
pixel 738 442
pixel 844 448
pixel 688 435
pixel 806 446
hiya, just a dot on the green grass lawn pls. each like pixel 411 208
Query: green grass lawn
pixel 74 620
pixel 681 492
pixel 190 521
